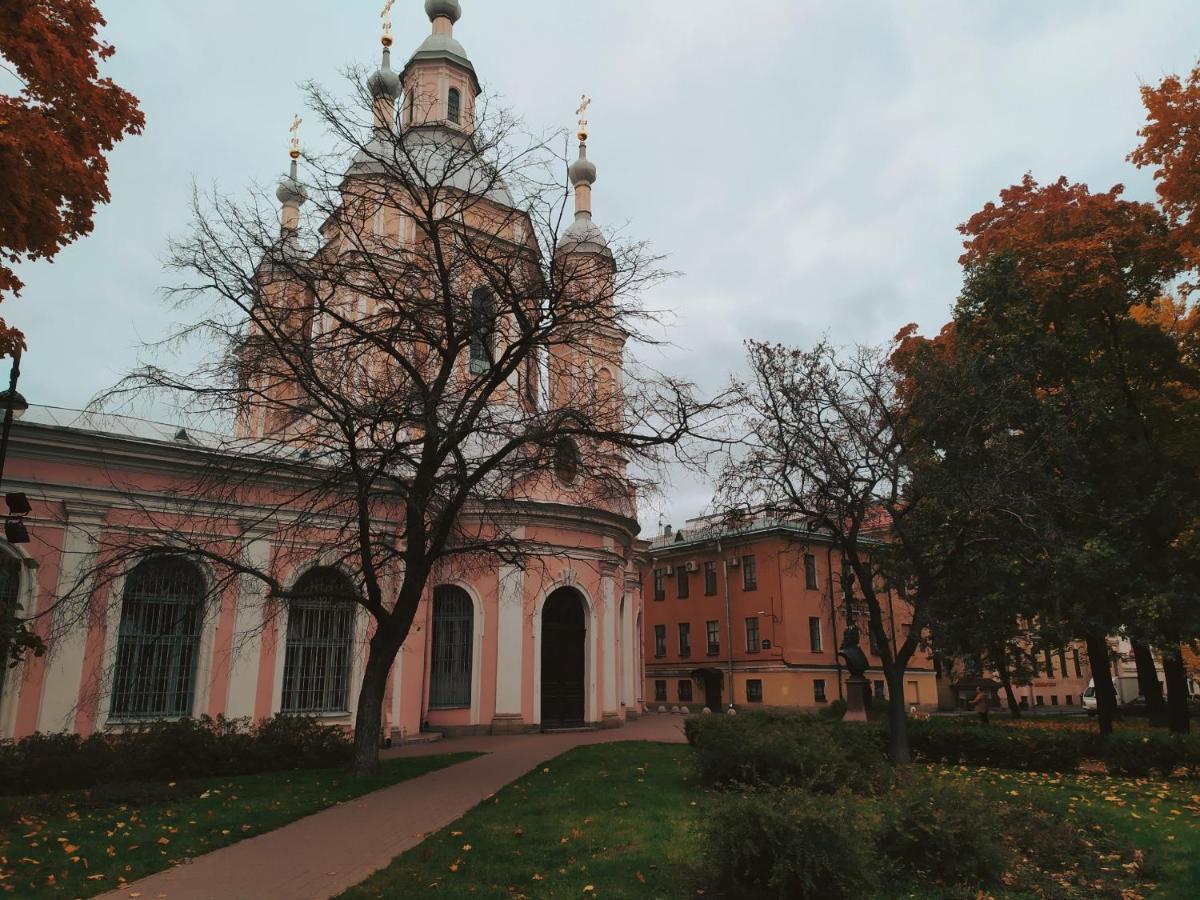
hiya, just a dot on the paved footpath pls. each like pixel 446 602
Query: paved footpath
pixel 322 855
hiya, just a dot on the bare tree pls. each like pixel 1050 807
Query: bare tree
pixel 429 343
pixel 827 441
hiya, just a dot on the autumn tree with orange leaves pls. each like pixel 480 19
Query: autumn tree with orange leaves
pixel 54 133
pixel 1096 402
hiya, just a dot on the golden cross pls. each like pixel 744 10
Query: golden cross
pixel 584 102
pixel 386 15
pixel 295 129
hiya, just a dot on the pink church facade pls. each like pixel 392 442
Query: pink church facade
pixel 554 641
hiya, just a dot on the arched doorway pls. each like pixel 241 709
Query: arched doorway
pixel 563 659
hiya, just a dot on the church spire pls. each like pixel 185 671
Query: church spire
pixel 440 83
pixel 291 192
pixel 385 84
pixel 583 236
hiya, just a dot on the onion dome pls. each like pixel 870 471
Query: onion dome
pixel 451 9
pixel 583 170
pixel 385 84
pixel 290 191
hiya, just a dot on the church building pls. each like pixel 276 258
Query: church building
pixel 506 647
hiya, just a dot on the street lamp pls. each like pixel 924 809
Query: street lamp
pixel 18 504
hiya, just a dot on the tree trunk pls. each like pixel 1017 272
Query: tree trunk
pixel 897 719
pixel 1106 693
pixel 368 722
pixel 1179 717
pixel 1149 685
pixel 1002 670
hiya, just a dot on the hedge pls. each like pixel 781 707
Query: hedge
pixel 169 751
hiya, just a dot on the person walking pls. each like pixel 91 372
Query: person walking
pixel 982 703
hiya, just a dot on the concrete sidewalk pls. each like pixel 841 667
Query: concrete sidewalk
pixel 322 855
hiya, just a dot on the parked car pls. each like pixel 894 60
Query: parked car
pixel 1088 698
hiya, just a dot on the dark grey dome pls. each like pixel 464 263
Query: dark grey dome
pixel 451 9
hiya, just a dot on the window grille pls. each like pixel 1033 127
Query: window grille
pixel 685 691
pixel 316 668
pixel 660 690
pixel 158 641
pixel 819 690
pixel 454 106
pixel 754 690
pixel 10 600
pixel 453 647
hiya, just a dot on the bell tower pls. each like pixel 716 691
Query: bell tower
pixel 439 82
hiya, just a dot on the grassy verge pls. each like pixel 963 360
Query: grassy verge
pixel 623 821
pixel 87 842
pixel 613 820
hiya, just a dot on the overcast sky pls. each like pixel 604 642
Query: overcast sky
pixel 804 163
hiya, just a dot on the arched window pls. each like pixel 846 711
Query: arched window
pixel 453 647
pixel 566 460
pixel 159 640
pixel 483 330
pixel 10 602
pixel 316 667
pixel 454 106
pixel 412 108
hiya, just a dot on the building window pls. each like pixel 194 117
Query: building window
pixel 685 690
pixel 566 460
pixel 1041 701
pixel 810 571
pixel 872 640
pixel 660 690
pixel 681 582
pixel 754 690
pixel 1054 699
pixel 660 584
pixel 454 106
pixel 752 635
pixel 316 664
pixel 158 641
pixel 1062 662
pixel 713 629
pixel 660 641
pixel 453 649
pixel 819 690
pixel 814 634
pixel 749 573
pixel 879 689
pixel 10 606
pixel 483 330
pixel 1070 700
pixel 1075 659
pixel 710 579
pixel 685 639
pixel 1049 662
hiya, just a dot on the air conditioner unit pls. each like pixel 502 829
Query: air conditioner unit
pixel 692 566
pixel 734 562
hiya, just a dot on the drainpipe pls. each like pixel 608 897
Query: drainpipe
pixel 837 660
pixel 728 618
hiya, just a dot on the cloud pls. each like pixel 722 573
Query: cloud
pixel 804 164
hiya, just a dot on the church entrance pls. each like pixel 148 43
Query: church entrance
pixel 563 635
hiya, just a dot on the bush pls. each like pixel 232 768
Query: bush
pixel 934 829
pixel 1140 755
pixel 791 845
pixel 800 751
pixel 835 710
pixel 1034 749
pixel 169 751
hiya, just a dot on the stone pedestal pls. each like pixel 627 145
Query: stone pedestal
pixel 856 699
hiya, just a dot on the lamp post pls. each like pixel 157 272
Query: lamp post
pixel 18 504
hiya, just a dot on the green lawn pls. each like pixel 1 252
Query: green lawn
pixel 622 820
pixel 84 843
pixel 618 817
